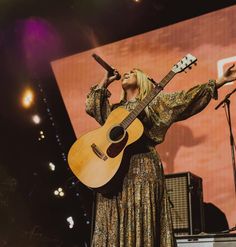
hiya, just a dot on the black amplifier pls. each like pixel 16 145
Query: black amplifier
pixel 186 201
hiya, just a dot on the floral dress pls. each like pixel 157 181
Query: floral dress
pixel 138 213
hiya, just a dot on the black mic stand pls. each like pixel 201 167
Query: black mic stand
pixel 226 102
pixel 93 217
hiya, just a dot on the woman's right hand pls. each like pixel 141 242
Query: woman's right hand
pixel 107 80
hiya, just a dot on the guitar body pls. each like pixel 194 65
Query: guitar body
pixel 96 156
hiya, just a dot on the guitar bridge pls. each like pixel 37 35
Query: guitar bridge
pixel 98 152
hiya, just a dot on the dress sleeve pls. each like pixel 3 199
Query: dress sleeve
pixel 178 106
pixel 97 104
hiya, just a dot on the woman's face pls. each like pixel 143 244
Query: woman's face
pixel 129 80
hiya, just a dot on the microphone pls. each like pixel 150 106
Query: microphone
pixel 106 66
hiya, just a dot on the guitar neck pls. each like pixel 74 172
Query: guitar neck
pixel 142 105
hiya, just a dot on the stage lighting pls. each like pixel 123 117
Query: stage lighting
pixel 56 192
pixel 42 136
pixel 59 192
pixel 28 98
pixel 52 167
pixel 70 221
pixel 36 119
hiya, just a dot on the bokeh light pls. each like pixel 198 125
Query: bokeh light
pixel 36 119
pixel 27 98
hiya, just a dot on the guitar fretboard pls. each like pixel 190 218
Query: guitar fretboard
pixel 141 106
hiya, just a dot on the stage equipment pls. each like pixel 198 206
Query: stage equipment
pixel 111 71
pixel 186 199
pixel 206 240
pixel 226 102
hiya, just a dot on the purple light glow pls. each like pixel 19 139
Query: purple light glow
pixel 1 39
pixel 40 44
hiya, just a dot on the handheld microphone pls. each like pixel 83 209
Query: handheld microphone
pixel 106 66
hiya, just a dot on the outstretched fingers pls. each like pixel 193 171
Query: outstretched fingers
pixel 230 68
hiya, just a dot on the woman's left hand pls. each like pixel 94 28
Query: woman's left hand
pixel 228 76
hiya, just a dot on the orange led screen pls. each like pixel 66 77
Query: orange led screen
pixel 199 144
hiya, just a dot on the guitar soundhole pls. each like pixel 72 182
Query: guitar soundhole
pixel 116 133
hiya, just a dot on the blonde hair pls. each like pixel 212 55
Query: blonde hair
pixel 144 85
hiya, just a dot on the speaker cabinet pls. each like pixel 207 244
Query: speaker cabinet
pixel 207 240
pixel 186 202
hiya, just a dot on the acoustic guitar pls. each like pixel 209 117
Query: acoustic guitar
pixel 96 156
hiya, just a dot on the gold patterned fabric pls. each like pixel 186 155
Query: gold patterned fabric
pixel 137 212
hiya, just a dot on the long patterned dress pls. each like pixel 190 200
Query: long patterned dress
pixel 137 214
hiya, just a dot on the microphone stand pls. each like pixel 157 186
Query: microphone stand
pixel 226 102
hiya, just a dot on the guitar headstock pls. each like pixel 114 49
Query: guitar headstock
pixel 184 63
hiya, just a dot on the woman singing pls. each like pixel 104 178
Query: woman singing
pixel 137 212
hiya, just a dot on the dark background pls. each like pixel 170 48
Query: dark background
pixel 30 213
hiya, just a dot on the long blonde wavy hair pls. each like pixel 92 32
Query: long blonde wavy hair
pixel 144 85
